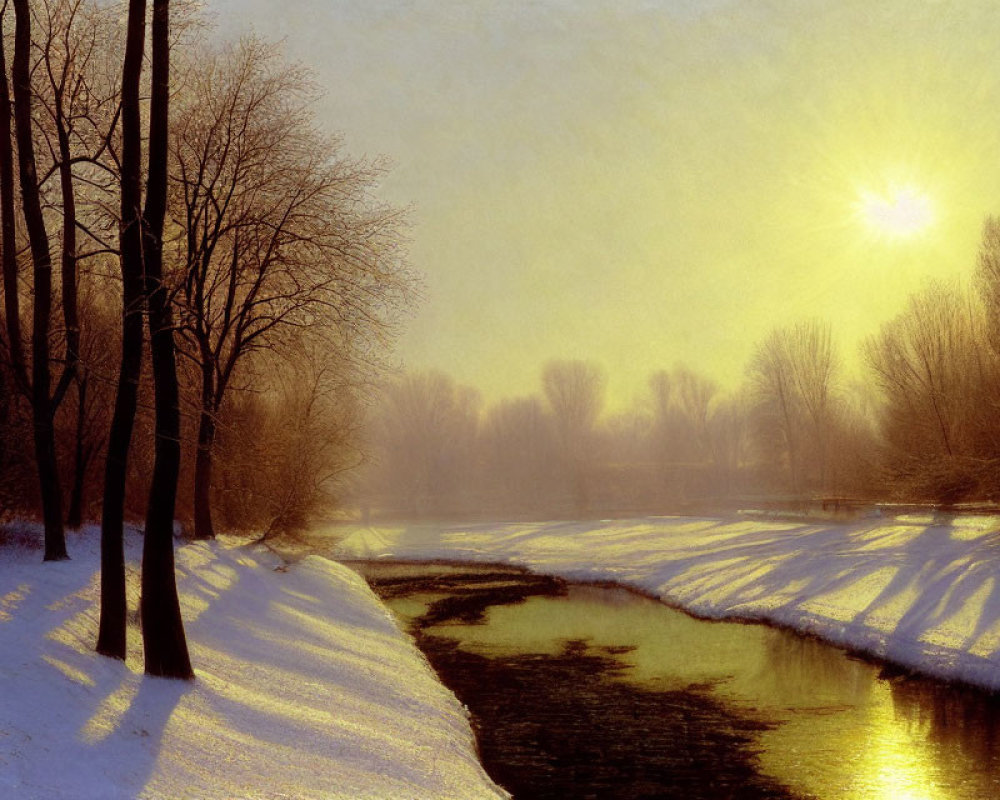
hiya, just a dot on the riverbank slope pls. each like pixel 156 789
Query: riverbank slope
pixel 305 688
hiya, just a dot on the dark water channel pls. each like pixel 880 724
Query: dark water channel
pixel 581 691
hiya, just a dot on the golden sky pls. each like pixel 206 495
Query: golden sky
pixel 648 182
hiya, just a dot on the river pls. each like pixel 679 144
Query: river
pixel 595 691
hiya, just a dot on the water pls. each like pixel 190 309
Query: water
pixel 583 691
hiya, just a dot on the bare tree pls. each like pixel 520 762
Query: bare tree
pixel 81 103
pixel 279 232
pixel 289 466
pixel 74 125
pixel 694 396
pixel 988 279
pixel 141 247
pixel 87 418
pixel 111 634
pixel 164 642
pixel 39 385
pixel 814 369
pixel 918 357
pixel 663 427
pixel 427 428
pixel 684 432
pixel 8 229
pixel 629 478
pixel 660 387
pixel 792 375
pixel 65 123
pixel 575 393
pixel 929 364
pixel 987 358
pixel 727 441
pixel 519 449
pixel 854 446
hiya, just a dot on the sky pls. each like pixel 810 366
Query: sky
pixel 651 182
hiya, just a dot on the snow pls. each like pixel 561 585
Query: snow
pixel 921 591
pixel 305 688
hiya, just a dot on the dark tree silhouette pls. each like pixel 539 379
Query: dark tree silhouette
pixel 8 229
pixel 164 643
pixel 79 105
pixel 43 404
pixel 111 634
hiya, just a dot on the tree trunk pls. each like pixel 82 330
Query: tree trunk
pixel 8 244
pixel 111 634
pixel 74 517
pixel 48 475
pixel 203 527
pixel 8 230
pixel 41 401
pixel 71 370
pixel 164 642
pixel 111 639
pixel 70 305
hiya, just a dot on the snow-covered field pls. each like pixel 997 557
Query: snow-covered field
pixel 305 689
pixel 921 591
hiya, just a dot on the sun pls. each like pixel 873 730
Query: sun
pixel 900 213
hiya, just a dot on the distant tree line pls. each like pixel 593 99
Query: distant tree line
pixel 920 423
pixel 687 445
pixel 197 286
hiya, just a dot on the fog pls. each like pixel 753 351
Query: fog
pixel 917 424
pixel 759 225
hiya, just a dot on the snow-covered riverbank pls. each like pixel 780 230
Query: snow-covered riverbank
pixel 305 689
pixel 920 591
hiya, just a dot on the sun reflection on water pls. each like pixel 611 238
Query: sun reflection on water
pixel 840 730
